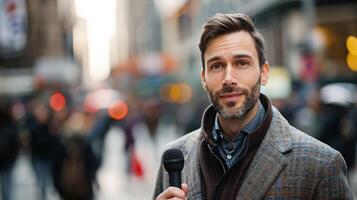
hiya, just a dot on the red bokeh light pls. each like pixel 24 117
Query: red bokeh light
pixel 118 110
pixel 57 101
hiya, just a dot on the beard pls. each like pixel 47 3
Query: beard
pixel 229 111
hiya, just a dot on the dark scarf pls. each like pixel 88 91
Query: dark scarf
pixel 218 182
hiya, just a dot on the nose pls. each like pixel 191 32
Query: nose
pixel 230 77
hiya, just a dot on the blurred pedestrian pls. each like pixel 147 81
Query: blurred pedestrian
pixel 9 148
pixel 245 149
pixel 146 135
pixel 74 168
pixel 42 141
pixel 96 136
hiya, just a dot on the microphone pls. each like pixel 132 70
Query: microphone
pixel 173 162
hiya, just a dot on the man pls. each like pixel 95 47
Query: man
pixel 245 149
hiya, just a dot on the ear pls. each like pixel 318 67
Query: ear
pixel 264 75
pixel 203 80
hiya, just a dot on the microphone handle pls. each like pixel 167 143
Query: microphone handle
pixel 175 179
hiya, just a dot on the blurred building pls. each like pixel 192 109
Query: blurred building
pixel 47 32
pixel 307 38
pixel 35 45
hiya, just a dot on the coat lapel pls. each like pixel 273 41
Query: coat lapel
pixel 268 161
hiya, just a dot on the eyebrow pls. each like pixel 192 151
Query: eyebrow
pixel 242 55
pixel 215 58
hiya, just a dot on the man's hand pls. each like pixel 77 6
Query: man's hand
pixel 174 193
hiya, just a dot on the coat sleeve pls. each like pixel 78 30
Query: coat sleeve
pixel 334 183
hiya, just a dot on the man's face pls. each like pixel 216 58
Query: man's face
pixel 232 75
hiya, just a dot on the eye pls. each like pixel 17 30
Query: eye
pixel 216 66
pixel 242 63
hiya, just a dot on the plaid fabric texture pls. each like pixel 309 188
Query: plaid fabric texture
pixel 289 164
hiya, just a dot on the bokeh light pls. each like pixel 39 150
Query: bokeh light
pixel 57 101
pixel 118 110
pixel 179 93
pixel 351 44
pixel 352 62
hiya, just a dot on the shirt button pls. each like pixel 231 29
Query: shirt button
pixel 229 156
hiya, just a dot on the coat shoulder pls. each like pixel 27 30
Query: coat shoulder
pixel 286 137
pixel 300 139
pixel 187 142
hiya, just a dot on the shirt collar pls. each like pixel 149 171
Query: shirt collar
pixel 249 128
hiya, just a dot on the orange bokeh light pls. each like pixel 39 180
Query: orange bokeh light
pixel 58 101
pixel 118 110
pixel 352 62
pixel 176 93
pixel 351 44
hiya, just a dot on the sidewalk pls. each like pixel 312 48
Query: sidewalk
pixel 24 181
pixel 111 175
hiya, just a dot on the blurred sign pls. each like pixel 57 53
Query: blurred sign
pixel 13 27
pixel 57 70
pixel 16 82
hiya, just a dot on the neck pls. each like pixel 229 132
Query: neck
pixel 232 127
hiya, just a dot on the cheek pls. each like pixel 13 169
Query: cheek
pixel 248 80
pixel 213 83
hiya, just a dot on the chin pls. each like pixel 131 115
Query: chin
pixel 234 106
pixel 232 113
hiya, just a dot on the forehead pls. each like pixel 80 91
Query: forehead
pixel 239 42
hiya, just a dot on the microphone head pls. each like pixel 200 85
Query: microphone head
pixel 173 160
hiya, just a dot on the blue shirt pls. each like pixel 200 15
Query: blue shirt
pixel 231 150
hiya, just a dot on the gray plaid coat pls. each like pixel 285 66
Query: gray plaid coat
pixel 289 164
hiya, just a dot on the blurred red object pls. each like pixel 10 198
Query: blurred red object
pixel 135 166
pixel 118 110
pixel 58 101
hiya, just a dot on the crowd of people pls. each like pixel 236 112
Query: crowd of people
pixel 66 146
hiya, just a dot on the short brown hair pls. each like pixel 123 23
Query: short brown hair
pixel 221 24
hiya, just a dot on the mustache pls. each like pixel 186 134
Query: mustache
pixel 229 89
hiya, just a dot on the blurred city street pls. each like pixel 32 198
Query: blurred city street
pixel 111 176
pixel 91 91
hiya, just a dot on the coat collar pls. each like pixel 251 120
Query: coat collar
pixel 209 115
pixel 269 159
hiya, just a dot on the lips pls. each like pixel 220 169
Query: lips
pixel 231 97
